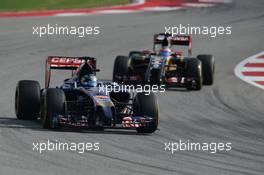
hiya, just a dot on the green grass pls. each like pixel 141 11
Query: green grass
pixel 29 5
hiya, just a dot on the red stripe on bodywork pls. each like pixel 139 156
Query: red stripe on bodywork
pixel 253 73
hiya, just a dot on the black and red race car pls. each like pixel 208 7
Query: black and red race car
pixel 82 101
pixel 166 65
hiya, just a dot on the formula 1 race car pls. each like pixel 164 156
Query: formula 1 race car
pixel 165 66
pixel 82 102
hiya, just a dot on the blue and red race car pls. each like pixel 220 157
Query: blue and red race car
pixel 79 102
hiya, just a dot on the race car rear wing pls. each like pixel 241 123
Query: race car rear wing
pixel 182 40
pixel 65 63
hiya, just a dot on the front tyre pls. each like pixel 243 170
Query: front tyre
pixel 194 71
pixel 146 105
pixel 155 77
pixel 27 100
pixel 54 104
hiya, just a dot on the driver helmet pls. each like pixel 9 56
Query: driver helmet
pixel 165 52
pixel 88 81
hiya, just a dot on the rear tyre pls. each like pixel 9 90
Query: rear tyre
pixel 194 71
pixel 146 105
pixel 208 68
pixel 27 100
pixel 53 105
pixel 121 68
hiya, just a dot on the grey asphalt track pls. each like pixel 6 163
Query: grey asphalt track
pixel 230 111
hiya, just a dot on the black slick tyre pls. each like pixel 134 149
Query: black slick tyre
pixel 194 71
pixel 27 100
pixel 147 105
pixel 121 68
pixel 54 104
pixel 208 68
